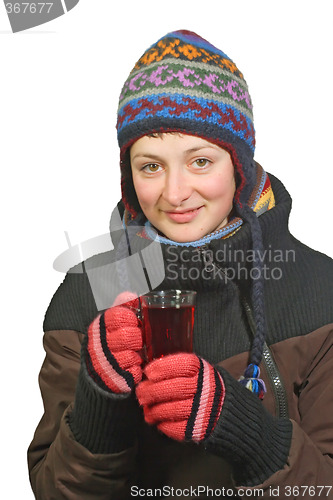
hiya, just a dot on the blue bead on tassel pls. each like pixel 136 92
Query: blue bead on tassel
pixel 251 381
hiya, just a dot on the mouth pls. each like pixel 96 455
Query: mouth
pixel 183 216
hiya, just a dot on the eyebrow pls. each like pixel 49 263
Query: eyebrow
pixel 187 152
pixel 195 149
pixel 147 155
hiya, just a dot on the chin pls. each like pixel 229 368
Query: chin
pixel 180 237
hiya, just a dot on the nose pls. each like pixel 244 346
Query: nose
pixel 177 187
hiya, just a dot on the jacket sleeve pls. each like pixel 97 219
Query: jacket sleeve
pixel 282 457
pixel 60 467
pixel 308 471
pixel 91 462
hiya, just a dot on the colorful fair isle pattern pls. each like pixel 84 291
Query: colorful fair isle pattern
pixel 184 78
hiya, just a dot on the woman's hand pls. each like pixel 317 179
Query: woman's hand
pixel 114 344
pixel 183 395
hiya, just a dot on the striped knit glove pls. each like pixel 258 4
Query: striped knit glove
pixel 183 395
pixel 114 342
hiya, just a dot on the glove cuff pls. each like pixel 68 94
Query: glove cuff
pixel 101 421
pixel 207 403
pixel 253 441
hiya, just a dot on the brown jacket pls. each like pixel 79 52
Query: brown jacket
pixel 300 339
pixel 61 468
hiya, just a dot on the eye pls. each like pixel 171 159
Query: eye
pixel 201 162
pixel 151 168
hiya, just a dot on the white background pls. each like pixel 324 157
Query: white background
pixel 59 158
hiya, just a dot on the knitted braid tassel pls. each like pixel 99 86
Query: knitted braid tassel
pixel 251 381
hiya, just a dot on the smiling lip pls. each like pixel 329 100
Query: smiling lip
pixel 183 216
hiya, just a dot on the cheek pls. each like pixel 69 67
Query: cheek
pixel 219 187
pixel 145 193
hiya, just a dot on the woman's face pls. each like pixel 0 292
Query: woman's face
pixel 185 185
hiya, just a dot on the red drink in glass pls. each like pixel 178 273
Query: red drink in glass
pixel 168 319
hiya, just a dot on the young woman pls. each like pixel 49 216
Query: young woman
pixel 251 408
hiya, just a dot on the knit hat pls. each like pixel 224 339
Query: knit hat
pixel 184 84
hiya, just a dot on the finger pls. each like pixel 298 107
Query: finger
pixel 127 299
pixel 175 430
pixel 127 359
pixel 169 411
pixel 173 365
pixel 117 317
pixel 136 371
pixel 149 392
pixel 129 337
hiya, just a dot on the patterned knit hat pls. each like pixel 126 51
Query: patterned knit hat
pixel 184 84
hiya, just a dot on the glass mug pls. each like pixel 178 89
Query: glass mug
pixel 168 319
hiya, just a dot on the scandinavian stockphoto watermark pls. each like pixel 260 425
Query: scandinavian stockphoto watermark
pixel 138 270
pixel 228 263
pixel 138 264
pixel 25 15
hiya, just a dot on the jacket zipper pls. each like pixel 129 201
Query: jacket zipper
pixel 272 370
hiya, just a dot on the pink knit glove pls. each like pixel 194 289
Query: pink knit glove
pixel 114 342
pixel 183 395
